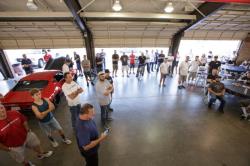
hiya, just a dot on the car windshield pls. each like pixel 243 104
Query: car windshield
pixel 55 64
pixel 28 85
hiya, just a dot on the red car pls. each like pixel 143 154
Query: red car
pixel 49 82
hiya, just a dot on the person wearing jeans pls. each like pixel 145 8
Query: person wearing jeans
pixel 72 92
pixel 103 91
pixel 104 113
pixel 74 110
pixel 217 90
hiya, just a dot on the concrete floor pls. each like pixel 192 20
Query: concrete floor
pixel 156 127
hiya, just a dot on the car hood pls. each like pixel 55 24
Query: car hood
pixel 22 97
pixel 17 97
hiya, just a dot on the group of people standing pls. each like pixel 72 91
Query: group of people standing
pixel 149 60
pixel 13 125
pixel 16 136
pixel 87 136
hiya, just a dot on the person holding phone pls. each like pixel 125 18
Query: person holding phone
pixel 87 136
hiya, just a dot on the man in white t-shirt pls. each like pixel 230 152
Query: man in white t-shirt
pixel 170 61
pixel 72 92
pixel 183 72
pixel 65 67
pixel 164 69
pixel 103 93
pixel 152 60
pixel 203 60
pixel 193 68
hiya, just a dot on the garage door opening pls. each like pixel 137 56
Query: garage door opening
pixel 225 49
pixel 37 56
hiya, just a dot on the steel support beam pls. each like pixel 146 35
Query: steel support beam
pixel 109 16
pixel 74 6
pixel 177 24
pixel 35 16
pixel 207 9
pixel 93 16
pixel 4 66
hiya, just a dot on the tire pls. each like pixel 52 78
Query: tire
pixel 40 63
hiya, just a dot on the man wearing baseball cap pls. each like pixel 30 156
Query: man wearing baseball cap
pixel 103 92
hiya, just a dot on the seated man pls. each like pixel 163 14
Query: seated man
pixel 216 90
pixel 210 78
pixel 213 76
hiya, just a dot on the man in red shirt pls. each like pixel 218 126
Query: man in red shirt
pixel 132 61
pixel 15 136
pixel 47 56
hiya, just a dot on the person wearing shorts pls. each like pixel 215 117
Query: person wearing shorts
pixel 141 65
pixel 16 136
pixel 193 68
pixel 132 62
pixel 115 59
pixel 124 60
pixel 183 72
pixel 42 109
pixel 164 69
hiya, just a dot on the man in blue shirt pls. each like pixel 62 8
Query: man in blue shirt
pixel 88 139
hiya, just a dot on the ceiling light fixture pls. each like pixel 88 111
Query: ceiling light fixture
pixel 169 8
pixel 31 5
pixel 117 6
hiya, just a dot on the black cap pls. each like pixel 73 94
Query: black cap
pixel 107 71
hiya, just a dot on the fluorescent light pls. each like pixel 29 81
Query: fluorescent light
pixel 169 8
pixel 117 6
pixel 31 5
